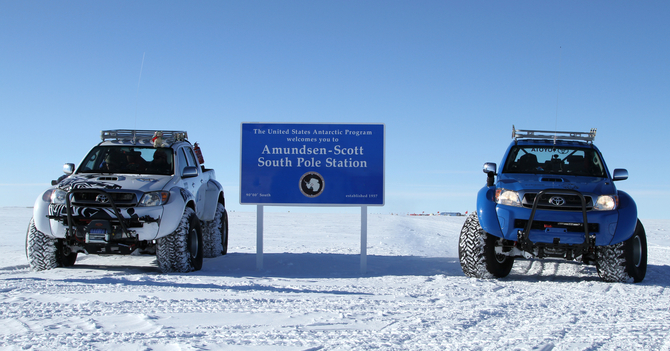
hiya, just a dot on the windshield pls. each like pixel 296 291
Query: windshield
pixel 554 160
pixel 128 159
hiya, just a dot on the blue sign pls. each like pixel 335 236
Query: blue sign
pixel 312 164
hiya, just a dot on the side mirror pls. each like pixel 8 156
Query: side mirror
pixel 68 168
pixel 490 170
pixel 620 174
pixel 189 172
pixel 490 167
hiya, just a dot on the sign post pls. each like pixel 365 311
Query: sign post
pixel 259 237
pixel 294 164
pixel 364 239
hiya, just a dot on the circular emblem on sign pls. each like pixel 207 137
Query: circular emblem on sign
pixel 557 201
pixel 102 198
pixel 311 184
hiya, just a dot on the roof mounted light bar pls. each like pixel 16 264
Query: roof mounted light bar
pixel 553 135
pixel 144 136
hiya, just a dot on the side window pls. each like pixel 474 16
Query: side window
pixel 190 156
pixel 187 158
pixel 182 159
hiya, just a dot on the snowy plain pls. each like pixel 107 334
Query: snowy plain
pixel 311 294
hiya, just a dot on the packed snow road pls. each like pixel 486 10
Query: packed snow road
pixel 310 295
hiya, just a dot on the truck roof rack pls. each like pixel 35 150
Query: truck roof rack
pixel 553 135
pixel 142 136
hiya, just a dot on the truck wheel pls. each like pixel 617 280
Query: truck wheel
pixel 623 261
pixel 181 251
pixel 44 252
pixel 215 233
pixel 476 251
pixel 40 249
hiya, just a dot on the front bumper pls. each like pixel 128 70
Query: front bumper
pixel 565 227
pixel 105 223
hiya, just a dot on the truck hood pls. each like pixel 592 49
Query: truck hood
pixel 140 182
pixel 537 182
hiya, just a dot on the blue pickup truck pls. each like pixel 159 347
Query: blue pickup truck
pixel 554 197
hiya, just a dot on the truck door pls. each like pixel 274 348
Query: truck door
pixel 193 184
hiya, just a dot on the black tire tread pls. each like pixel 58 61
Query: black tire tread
pixel 476 251
pixel 172 251
pixel 215 234
pixel 615 264
pixel 40 249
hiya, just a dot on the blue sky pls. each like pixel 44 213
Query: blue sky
pixel 447 78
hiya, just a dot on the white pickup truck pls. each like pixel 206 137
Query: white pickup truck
pixel 136 191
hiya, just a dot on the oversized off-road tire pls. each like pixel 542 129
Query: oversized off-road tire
pixel 626 260
pixel 40 249
pixel 476 251
pixel 181 251
pixel 44 252
pixel 215 233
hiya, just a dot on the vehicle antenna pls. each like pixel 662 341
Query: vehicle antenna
pixel 138 88
pixel 558 89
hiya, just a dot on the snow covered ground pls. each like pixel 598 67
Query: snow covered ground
pixel 311 294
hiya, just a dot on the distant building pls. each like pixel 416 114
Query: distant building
pixel 449 213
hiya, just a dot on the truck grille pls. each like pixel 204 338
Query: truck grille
pixel 97 199
pixel 557 202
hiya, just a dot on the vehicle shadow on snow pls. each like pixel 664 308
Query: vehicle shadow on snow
pixel 323 265
pixel 327 265
pixel 561 271
pixel 552 270
pixel 290 265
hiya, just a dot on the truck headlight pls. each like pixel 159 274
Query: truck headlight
pixel 606 203
pixel 155 198
pixel 507 197
pixel 58 197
